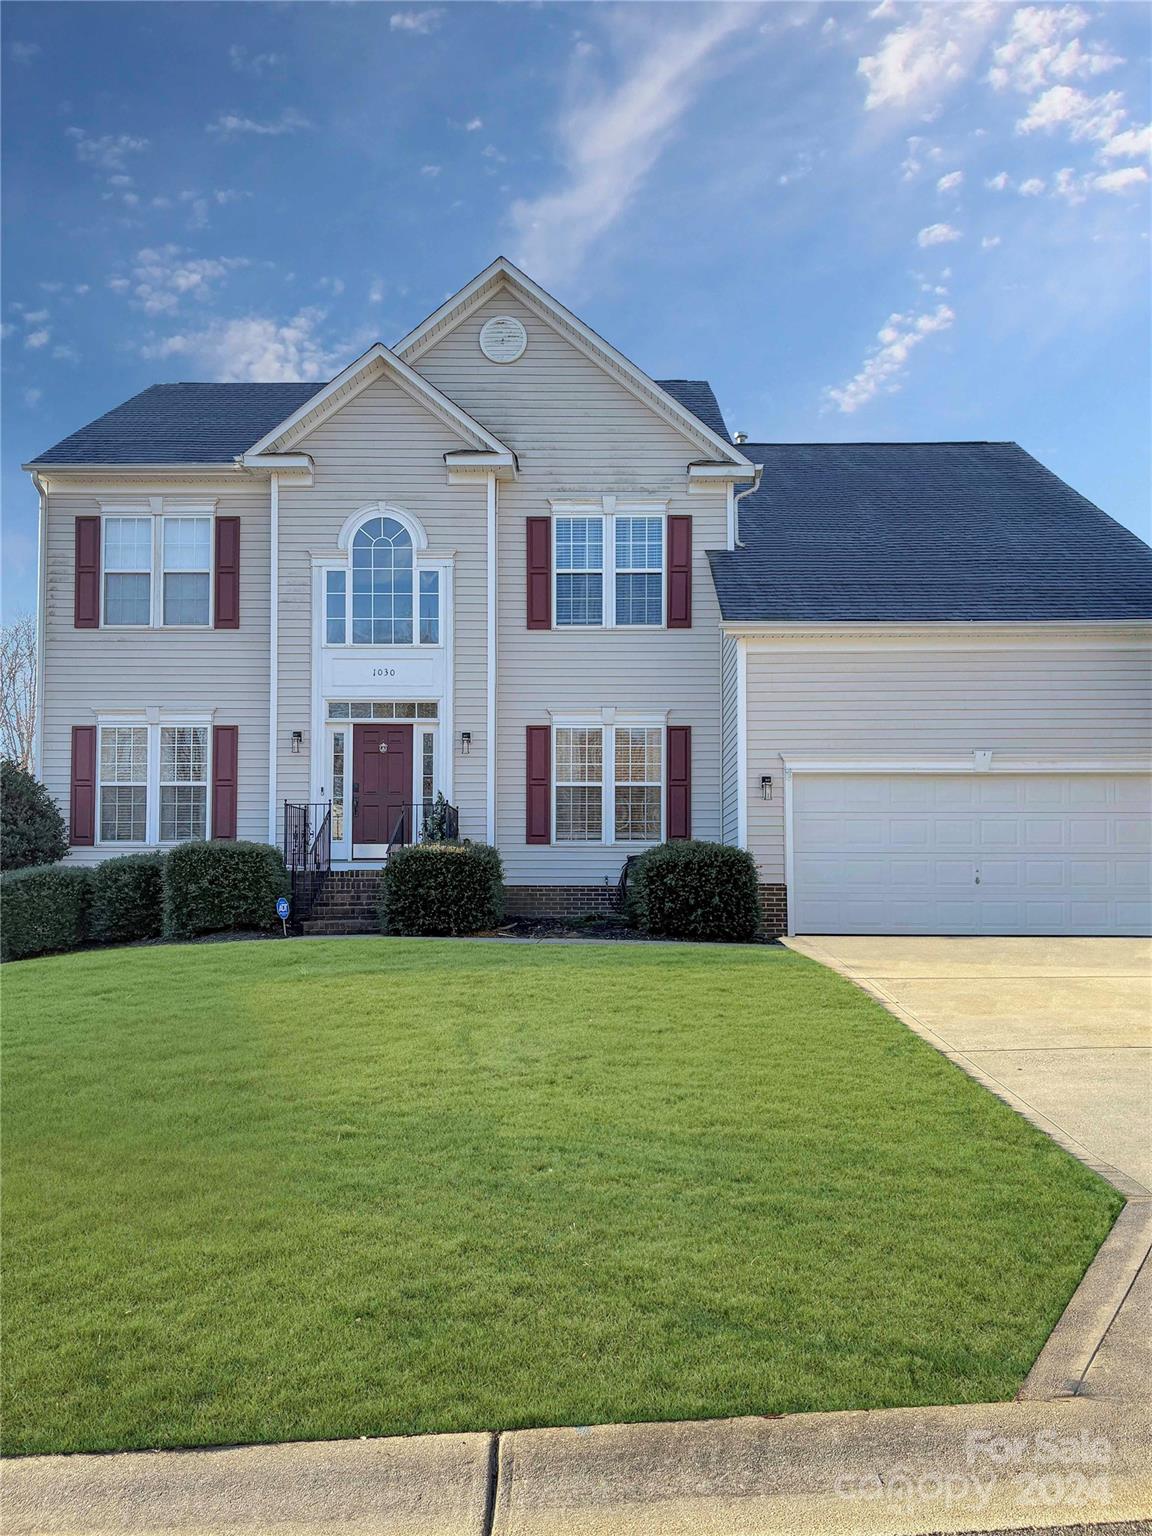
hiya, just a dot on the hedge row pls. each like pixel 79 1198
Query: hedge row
pixel 442 888
pixel 197 888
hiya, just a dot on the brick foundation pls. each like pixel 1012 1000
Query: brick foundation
pixel 558 900
pixel 774 906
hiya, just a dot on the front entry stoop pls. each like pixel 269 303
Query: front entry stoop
pixel 348 903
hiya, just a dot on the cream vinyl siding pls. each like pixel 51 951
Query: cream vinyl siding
pixel 382 446
pixel 869 702
pixel 576 432
pixel 94 671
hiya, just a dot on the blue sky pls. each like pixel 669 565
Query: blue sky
pixel 859 222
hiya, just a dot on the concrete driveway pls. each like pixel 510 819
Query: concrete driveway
pixel 1062 1028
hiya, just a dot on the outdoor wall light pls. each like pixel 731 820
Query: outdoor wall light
pixel 297 740
pixel 766 786
pixel 465 742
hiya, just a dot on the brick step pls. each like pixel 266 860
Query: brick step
pixel 344 914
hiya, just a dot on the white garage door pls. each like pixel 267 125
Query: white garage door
pixel 977 853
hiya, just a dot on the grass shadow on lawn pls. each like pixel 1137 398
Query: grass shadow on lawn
pixel 270 1192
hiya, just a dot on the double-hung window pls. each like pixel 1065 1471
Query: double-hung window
pixel 124 784
pixel 157 570
pixel 609 783
pixel 609 567
pixel 187 567
pixel 183 783
pixel 128 570
pixel 153 783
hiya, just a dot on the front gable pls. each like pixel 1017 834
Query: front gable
pixel 587 380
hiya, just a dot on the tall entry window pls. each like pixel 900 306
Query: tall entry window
pixel 382 597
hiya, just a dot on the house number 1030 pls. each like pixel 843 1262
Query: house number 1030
pixel 383 671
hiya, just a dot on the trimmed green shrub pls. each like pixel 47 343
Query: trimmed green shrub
pixel 695 890
pixel 42 910
pixel 442 888
pixel 32 830
pixel 127 899
pixel 223 885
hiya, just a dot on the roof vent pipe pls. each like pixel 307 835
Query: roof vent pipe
pixel 739 437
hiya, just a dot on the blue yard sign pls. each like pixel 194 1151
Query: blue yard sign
pixel 283 907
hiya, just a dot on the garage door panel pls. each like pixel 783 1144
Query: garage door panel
pixel 976 853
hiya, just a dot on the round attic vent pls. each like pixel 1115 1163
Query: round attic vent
pixel 503 339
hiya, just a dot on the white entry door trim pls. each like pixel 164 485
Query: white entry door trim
pixel 1011 861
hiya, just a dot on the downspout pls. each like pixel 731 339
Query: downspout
pixel 492 633
pixel 273 648
pixel 41 625
pixel 738 498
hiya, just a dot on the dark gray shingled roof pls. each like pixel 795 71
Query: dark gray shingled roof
pixel 182 424
pixel 903 532
pixel 212 423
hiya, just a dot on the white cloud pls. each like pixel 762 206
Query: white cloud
pixel 106 151
pixel 1125 180
pixel 254 347
pixel 6 330
pixel 885 366
pixel 1129 144
pixel 999 182
pixel 24 53
pixel 1042 47
pixel 245 63
pixel 1079 115
pixel 938 234
pixel 33 397
pixel 950 182
pixel 1033 187
pixel 474 126
pixel 919 152
pixel 920 60
pixel 376 291
pixel 63 353
pixel 163 276
pixel 422 22
pixel 230 125
pixel 430 170
pixel 37 339
pixel 610 138
pixel 35 316
pixel 989 242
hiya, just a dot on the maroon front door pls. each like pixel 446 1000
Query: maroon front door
pixel 381 783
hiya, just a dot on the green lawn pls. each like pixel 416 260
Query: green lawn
pixel 356 1187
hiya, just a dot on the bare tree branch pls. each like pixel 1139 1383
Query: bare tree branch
pixel 18 690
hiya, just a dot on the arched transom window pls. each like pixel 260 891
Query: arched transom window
pixel 392 601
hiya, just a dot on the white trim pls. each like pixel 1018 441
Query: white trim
pixel 1102 633
pixel 273 649
pixel 153 719
pixel 412 525
pixel 607 509
pixel 353 379
pixel 159 509
pixel 41 625
pixel 979 761
pixel 607 721
pixel 789 851
pixel 492 637
pixel 502 274
pixel 741 744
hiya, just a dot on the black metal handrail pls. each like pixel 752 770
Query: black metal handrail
pixel 307 852
pixel 427 821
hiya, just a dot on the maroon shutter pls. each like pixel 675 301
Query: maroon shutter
pixel 227 615
pixel 539 545
pixel 82 802
pixel 225 745
pixel 87 595
pixel 538 783
pixel 679 781
pixel 679 573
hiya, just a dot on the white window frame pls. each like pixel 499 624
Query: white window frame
pixel 607 509
pixel 102 784
pixel 158 508
pixel 153 720
pixel 162 784
pixel 607 722
pixel 420 565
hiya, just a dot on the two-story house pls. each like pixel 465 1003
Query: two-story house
pixel 499 562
